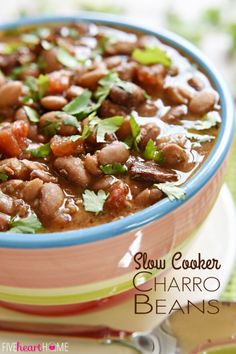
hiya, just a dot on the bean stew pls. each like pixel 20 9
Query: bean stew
pixel 96 123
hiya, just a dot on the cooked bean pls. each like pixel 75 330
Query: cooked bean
pixel 121 46
pixel 109 109
pixel 113 61
pixel 117 198
pixel 127 71
pixel 91 78
pixel 196 83
pixel 175 114
pixel 147 109
pixel 14 168
pixel 13 187
pixel 202 102
pixel 6 204
pixel 50 60
pixel 174 154
pixel 43 175
pixel 104 183
pixel 132 97
pixel 177 94
pixel 59 81
pixel 91 164
pixel 151 76
pixel 32 189
pixel 73 169
pixel 114 152
pixel 51 199
pixel 148 41
pixel 60 117
pixel 148 196
pixel 53 103
pixel 125 129
pixel 148 131
pixel 151 172
pixel 74 91
pixel 4 221
pixel 21 115
pixel 10 93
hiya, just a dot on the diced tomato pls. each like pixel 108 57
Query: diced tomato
pixel 59 81
pixel 13 138
pixel 62 146
pixel 117 196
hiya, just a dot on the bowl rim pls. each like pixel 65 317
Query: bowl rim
pixel 163 207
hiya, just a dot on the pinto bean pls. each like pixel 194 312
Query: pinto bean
pixel 6 204
pixel 59 81
pixel 32 189
pixel 73 169
pixel 91 164
pixel 4 221
pixel 151 75
pixel 21 115
pixel 125 129
pixel 50 59
pixel 147 197
pixel 109 109
pixel 122 46
pixel 53 103
pixel 131 98
pixel 127 71
pixel 12 187
pixel 196 83
pixel 43 175
pixel 202 102
pixel 147 109
pixel 148 131
pixel 174 154
pixel 113 61
pixel 177 94
pixel 114 152
pixel 51 199
pixel 175 114
pixel 74 91
pixel 57 116
pixel 151 172
pixel 90 79
pixel 104 183
pixel 10 93
pixel 14 168
pixel 147 41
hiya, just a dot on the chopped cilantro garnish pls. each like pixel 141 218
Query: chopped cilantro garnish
pixel 66 59
pixel 81 106
pixel 149 56
pixel 136 132
pixel 41 152
pixel 151 152
pixel 94 202
pixel 171 190
pixel 51 128
pixel 3 177
pixel 116 168
pixel 71 120
pixel 29 225
pixel 107 126
pixel 32 114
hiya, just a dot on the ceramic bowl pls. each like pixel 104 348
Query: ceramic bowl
pixel 82 269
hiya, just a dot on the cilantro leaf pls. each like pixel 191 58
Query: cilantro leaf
pixel 86 132
pixel 200 138
pixel 3 177
pixel 171 190
pixel 108 126
pixel 106 84
pixel 41 152
pixel 81 106
pixel 136 133
pixel 116 168
pixel 66 59
pixel 51 128
pixel 149 56
pixel 151 152
pixel 94 202
pixel 32 114
pixel 43 84
pixel 71 120
pixel 29 225
pixel 208 121
pixel 37 87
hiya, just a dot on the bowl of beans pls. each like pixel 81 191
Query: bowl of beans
pixel 113 140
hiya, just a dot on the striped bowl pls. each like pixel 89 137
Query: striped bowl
pixel 80 270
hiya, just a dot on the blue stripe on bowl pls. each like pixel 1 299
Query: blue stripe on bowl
pixel 152 213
